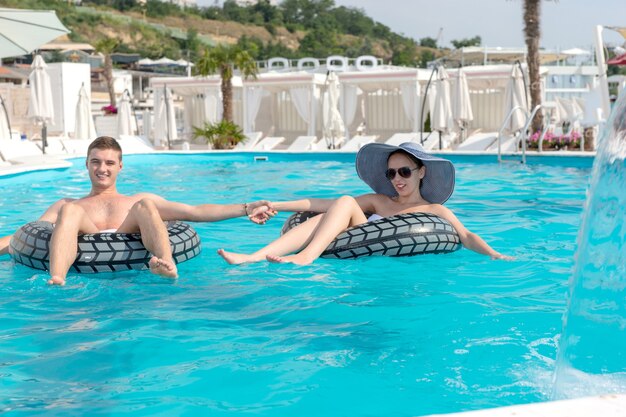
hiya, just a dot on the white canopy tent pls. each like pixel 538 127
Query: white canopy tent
pixel 202 99
pixel 290 102
pixel 389 99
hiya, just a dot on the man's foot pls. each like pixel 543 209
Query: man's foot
pixel 56 280
pixel 235 258
pixel 291 259
pixel 163 268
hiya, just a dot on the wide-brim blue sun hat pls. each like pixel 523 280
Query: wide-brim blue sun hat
pixel 438 182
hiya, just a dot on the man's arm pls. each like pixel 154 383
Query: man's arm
pixel 258 211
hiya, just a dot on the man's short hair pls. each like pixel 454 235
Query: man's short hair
pixel 105 142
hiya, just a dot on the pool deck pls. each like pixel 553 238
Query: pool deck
pixel 611 405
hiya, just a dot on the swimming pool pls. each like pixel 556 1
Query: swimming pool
pixel 377 336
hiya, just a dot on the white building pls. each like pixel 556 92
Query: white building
pixel 181 3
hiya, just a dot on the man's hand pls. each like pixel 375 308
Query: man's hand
pixel 260 211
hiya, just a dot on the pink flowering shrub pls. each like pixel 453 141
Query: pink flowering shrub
pixel 552 141
pixel 110 109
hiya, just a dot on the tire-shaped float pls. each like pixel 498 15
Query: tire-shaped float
pixel 101 252
pixel 401 235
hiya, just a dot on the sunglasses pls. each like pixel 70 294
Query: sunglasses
pixel 405 172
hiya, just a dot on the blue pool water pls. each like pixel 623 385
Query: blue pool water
pixel 377 336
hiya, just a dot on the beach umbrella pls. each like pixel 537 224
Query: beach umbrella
pixel 515 96
pixel 125 120
pixel 165 117
pixel 333 123
pixel 40 107
pixel 84 127
pixel 441 109
pixel 461 105
pixel 166 62
pixel 5 125
pixel 145 62
pixel 22 31
pixel 618 60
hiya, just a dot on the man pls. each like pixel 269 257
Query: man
pixel 106 210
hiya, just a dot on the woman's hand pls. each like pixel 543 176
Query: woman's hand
pixel 498 255
pixel 260 211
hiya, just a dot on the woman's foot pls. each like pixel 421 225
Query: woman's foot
pixel 236 258
pixel 297 259
pixel 163 268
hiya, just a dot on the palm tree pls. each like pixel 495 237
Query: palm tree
pixel 106 46
pixel 532 34
pixel 223 60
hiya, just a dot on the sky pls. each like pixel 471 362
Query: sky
pixel 565 23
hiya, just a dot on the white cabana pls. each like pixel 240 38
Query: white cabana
pixel 487 92
pixel 386 99
pixel 288 103
pixel 202 99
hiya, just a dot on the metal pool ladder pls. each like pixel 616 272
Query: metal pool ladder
pixel 523 133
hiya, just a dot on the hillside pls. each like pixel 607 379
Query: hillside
pixel 172 32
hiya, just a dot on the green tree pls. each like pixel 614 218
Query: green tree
pixel 458 44
pixel 106 46
pixel 428 42
pixel 223 60
pixel 305 12
pixel 532 35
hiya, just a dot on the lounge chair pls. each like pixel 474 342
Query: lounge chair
pixel 54 146
pixel 479 142
pixel 357 142
pixel 507 144
pixel 269 142
pixel 303 143
pixel 252 138
pixel 76 146
pixel 135 144
pixel 400 138
pixel 18 149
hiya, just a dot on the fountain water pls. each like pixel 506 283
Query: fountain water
pixel 592 348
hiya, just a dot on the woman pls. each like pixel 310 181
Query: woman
pixel 405 178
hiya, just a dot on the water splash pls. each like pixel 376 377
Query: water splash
pixel 592 357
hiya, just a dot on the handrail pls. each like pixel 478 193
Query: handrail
pixel 524 134
pixel 542 137
pixel 506 120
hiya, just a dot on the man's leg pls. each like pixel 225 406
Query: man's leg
pixel 71 221
pixel 144 217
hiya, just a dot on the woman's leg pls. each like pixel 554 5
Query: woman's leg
pixel 292 241
pixel 344 213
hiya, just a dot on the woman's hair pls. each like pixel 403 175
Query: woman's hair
pixel 417 161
